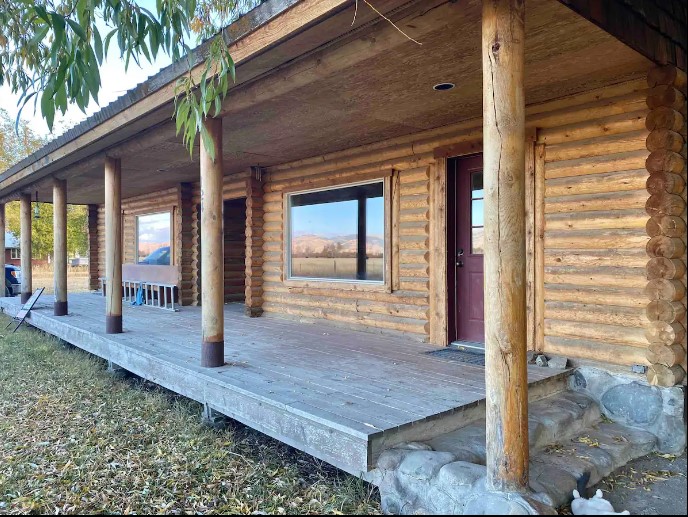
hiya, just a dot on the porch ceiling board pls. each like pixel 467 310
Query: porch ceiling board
pixel 368 86
pixel 339 394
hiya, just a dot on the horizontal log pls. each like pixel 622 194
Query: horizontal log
pixel 662 267
pixel 667 355
pixel 597 146
pixel 616 124
pixel 664 118
pixel 596 220
pixel 597 202
pixel 665 161
pixel 597 183
pixel 600 276
pixel 597 295
pixel 610 353
pixel 402 297
pixel 668 247
pixel 623 335
pixel 662 182
pixel 665 95
pixel 660 139
pixel 602 257
pixel 596 165
pixel 661 375
pixel 667 74
pixel 661 332
pixel 662 289
pixel 595 239
pixel 666 311
pixel 659 205
pixel 669 225
pixel 591 313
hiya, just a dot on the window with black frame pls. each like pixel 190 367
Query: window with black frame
pixel 338 234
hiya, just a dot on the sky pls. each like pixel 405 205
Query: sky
pixel 115 81
pixel 337 219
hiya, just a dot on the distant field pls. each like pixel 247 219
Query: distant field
pixel 77 279
pixel 336 268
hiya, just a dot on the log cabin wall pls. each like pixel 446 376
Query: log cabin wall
pixel 164 200
pixel 588 257
pixel 234 216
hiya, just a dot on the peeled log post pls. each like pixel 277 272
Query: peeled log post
pixel 212 250
pixel 60 246
pixel 113 245
pixel 667 311
pixel 505 254
pixel 26 262
pixel 660 375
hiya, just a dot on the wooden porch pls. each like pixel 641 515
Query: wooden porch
pixel 340 395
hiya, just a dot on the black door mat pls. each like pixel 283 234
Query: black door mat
pixel 459 356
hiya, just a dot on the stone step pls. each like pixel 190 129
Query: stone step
pixel 598 451
pixel 551 419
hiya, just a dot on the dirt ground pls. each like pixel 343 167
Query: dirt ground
pixel 653 485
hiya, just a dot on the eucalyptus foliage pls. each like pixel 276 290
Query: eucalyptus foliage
pixel 51 51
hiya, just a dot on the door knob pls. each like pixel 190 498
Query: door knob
pixel 459 263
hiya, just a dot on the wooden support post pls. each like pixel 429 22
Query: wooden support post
pixel 212 250
pixel 2 247
pixel 25 229
pixel 60 245
pixel 113 245
pixel 504 141
pixel 254 244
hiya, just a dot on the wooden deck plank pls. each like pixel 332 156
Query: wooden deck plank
pixel 341 395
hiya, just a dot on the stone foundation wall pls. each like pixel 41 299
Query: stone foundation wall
pixel 630 401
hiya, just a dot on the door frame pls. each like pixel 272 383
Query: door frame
pixel 439 282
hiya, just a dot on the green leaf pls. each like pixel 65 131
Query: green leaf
pixel 98 45
pixel 108 37
pixel 48 106
pixel 42 13
pixel 58 28
pixel 208 143
pixel 78 30
pixel 61 98
pixel 38 37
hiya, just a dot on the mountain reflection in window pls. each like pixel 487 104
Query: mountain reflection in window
pixel 338 234
pixel 153 237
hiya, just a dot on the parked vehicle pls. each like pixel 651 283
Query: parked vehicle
pixel 12 280
pixel 161 256
pixel 79 261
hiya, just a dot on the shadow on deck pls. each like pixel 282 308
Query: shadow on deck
pixel 341 395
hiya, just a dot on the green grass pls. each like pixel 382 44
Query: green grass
pixel 75 439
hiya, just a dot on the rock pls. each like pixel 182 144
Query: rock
pixel 541 360
pixel 558 363
pixel 459 474
pixel 390 459
pixel 493 503
pixel 633 403
pixel 424 465
pixel 552 480
pixel 413 446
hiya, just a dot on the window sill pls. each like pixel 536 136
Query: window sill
pixel 338 285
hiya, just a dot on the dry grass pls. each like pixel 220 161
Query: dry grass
pixel 77 278
pixel 75 439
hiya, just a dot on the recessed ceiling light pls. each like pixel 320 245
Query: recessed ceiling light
pixel 443 86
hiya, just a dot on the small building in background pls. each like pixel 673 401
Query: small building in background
pixel 12 251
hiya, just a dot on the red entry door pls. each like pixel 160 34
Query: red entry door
pixel 465 235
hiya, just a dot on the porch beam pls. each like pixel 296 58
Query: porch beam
pixel 503 36
pixel 212 250
pixel 113 245
pixel 25 228
pixel 60 246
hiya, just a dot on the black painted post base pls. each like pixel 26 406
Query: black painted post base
pixel 60 308
pixel 212 354
pixel 113 324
